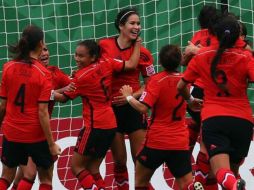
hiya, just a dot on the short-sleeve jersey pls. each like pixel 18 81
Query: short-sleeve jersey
pixel 93 85
pixel 167 129
pixel 234 70
pixel 204 38
pixel 59 80
pixel 109 47
pixel 24 86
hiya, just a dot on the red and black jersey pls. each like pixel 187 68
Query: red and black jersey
pixel 109 47
pixel 94 86
pixel 24 86
pixel 202 37
pixel 59 80
pixel 205 39
pixel 235 68
pixel 167 130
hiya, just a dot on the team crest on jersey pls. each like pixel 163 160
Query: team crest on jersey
pixel 142 97
pixel 150 70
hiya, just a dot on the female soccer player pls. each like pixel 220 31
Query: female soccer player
pixel 93 83
pixel 129 121
pixel 167 136
pixel 207 18
pixel 61 83
pixel 227 116
pixel 25 93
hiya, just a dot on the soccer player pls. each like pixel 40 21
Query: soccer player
pixel 227 120
pixel 93 83
pixel 61 82
pixel 25 93
pixel 167 136
pixel 129 121
pixel 207 18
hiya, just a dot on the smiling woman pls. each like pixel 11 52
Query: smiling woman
pixel 129 121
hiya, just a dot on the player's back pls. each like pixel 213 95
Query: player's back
pixel 24 85
pixel 168 113
pixel 233 71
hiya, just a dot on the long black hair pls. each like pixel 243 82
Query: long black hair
pixel 123 16
pixel 227 31
pixel 30 38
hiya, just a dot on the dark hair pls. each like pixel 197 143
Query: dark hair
pixel 227 32
pixel 208 17
pixel 123 16
pixel 30 38
pixel 170 57
pixel 243 29
pixel 92 46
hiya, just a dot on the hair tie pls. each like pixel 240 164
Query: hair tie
pixel 227 31
pixel 125 15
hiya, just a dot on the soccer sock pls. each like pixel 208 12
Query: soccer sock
pixel 14 186
pixel 141 188
pixel 226 178
pixel 86 180
pixel 4 184
pixel 211 184
pixel 25 184
pixel 202 168
pixel 121 177
pixel 194 130
pixel 99 181
pixel 44 186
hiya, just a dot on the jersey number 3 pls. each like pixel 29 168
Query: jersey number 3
pixel 20 97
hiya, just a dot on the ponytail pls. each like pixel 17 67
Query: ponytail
pixel 29 41
pixel 227 32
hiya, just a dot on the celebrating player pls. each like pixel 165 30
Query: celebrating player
pixel 224 69
pixel 167 136
pixel 24 118
pixel 61 82
pixel 129 121
pixel 93 83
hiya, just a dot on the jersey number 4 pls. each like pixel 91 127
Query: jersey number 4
pixel 20 97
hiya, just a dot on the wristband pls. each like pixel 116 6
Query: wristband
pixel 52 95
pixel 190 99
pixel 128 98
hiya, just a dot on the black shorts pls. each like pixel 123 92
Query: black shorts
pixel 128 119
pixel 230 135
pixel 94 142
pixel 196 92
pixel 178 161
pixel 15 153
